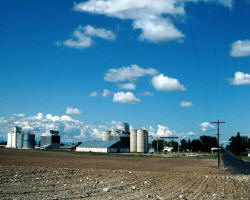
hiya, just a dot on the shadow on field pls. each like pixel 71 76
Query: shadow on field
pixel 236 165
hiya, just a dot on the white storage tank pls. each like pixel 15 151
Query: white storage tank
pixel 106 135
pixel 142 141
pixel 133 140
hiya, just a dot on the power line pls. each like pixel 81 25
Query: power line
pixel 198 64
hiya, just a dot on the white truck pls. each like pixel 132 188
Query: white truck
pixel 167 149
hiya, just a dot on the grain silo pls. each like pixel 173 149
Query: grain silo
pixel 142 141
pixel 106 135
pixel 26 141
pixel 20 141
pixel 133 140
pixel 12 137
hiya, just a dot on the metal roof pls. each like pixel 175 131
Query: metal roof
pixel 98 144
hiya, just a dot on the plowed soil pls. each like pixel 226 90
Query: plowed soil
pixel 30 174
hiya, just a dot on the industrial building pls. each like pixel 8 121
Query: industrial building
pixel 20 140
pixel 50 141
pixel 118 141
pixel 111 146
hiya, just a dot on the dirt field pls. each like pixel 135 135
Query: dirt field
pixel 64 175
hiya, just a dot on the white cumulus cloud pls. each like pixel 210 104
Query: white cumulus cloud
pixel 166 84
pixel 73 111
pixel 186 104
pixel 105 93
pixel 165 131
pixel 83 37
pixel 147 94
pixel 206 126
pixel 128 86
pixel 153 18
pixel 158 30
pixel 71 130
pixel 240 48
pixel 99 32
pixel 18 115
pixel 93 94
pixel 240 79
pixel 129 73
pixel 127 97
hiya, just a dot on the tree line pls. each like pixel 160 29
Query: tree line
pixel 237 144
pixel 203 144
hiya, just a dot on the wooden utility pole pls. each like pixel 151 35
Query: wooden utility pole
pixel 218 139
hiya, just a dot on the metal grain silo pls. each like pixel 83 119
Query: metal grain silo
pixel 20 141
pixel 28 141
pixel 106 135
pixel 133 140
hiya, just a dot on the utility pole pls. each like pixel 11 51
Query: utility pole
pixel 218 139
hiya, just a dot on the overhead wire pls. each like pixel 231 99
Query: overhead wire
pixel 238 35
pixel 225 59
pixel 198 64
pixel 215 59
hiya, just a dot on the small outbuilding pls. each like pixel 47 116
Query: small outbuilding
pixel 112 146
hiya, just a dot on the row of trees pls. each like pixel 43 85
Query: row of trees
pixel 238 144
pixel 203 144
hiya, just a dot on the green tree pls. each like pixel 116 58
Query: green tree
pixel 174 145
pixel 196 145
pixel 207 142
pixel 189 145
pixel 238 144
pixel 184 145
pixel 160 145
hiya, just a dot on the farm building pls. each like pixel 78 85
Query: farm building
pixel 112 146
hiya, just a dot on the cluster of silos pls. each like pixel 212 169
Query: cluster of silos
pixel 26 141
pixel 20 140
pixel 139 141
pixel 112 135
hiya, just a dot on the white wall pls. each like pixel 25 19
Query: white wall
pixel 86 149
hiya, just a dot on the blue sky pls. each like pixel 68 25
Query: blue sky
pixel 180 55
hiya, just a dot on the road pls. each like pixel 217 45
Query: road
pixel 235 164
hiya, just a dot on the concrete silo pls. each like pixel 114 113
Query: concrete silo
pixel 142 141
pixel 133 140
pixel 106 135
pixel 12 137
